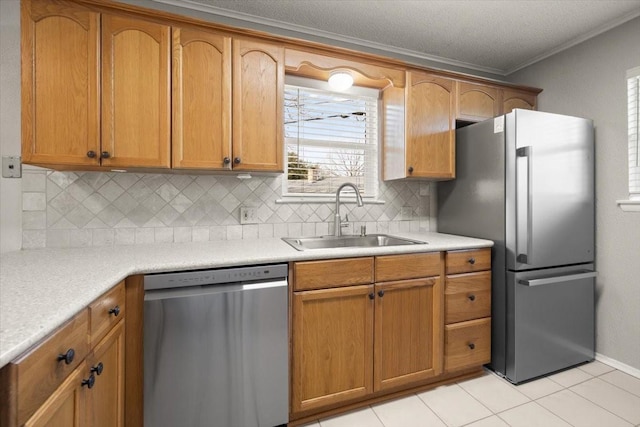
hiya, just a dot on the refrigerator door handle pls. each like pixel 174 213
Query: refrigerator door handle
pixel 557 279
pixel 525 257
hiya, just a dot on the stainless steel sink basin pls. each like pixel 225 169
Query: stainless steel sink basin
pixel 328 242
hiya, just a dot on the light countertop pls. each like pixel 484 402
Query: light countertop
pixel 41 289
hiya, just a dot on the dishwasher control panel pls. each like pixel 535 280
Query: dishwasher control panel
pixel 215 276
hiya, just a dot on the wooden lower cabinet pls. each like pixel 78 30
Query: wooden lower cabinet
pixel 407 332
pixel 351 342
pixel 68 380
pixel 332 346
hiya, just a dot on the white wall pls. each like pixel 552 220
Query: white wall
pixel 10 189
pixel 588 80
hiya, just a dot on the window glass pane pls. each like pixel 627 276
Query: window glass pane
pixel 331 138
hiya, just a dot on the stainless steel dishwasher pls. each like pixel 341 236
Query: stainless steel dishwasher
pixel 216 348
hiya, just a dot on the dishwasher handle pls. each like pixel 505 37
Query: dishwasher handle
pixel 558 279
pixel 167 293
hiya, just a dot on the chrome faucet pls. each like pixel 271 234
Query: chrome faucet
pixel 338 224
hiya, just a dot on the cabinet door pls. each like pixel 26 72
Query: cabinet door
pixel 201 100
pixel 516 99
pixel 60 102
pixel 476 102
pixel 258 106
pixel 430 147
pixel 135 93
pixel 105 401
pixel 408 332
pixel 332 341
pixel 65 406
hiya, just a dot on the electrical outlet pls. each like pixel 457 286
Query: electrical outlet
pixel 406 212
pixel 11 167
pixel 248 215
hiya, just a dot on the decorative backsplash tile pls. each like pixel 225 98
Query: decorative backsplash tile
pixel 75 209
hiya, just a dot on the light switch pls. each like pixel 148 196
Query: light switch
pixel 248 215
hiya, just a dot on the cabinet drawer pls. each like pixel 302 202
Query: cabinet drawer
pixel 39 372
pixel 105 312
pixel 467 296
pixel 468 261
pixel 467 344
pixel 410 266
pixel 332 273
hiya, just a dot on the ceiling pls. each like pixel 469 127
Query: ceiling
pixel 492 36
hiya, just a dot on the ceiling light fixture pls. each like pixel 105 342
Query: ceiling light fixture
pixel 340 80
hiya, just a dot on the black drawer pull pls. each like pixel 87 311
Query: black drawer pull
pixel 471 261
pixel 472 297
pixel 67 357
pixel 472 346
pixel 89 382
pixel 115 310
pixel 380 293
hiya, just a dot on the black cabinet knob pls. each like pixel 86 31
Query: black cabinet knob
pixel 472 297
pixel 226 160
pixel 380 293
pixel 91 154
pixel 115 310
pixel 372 295
pixel 89 382
pixel 236 160
pixel 98 368
pixel 105 155
pixel 472 346
pixel 410 169
pixel 471 261
pixel 67 357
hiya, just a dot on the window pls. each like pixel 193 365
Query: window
pixel 633 95
pixel 330 138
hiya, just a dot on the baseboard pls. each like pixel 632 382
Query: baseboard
pixel 618 365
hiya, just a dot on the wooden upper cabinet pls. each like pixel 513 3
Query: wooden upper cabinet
pixel 258 106
pixel 135 93
pixel 408 332
pixel 517 99
pixel 60 84
pixel 201 84
pixel 477 102
pixel 430 138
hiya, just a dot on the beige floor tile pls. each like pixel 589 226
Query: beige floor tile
pixel 453 405
pixel 314 424
pixel 493 392
pixel 407 412
pixel 532 415
pixel 538 388
pixel 624 381
pixel 612 398
pixel 570 377
pixel 492 421
pixel 578 411
pixel 361 418
pixel 596 368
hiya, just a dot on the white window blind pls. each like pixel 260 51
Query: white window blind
pixel 633 95
pixel 330 138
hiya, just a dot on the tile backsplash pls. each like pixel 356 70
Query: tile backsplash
pixel 75 209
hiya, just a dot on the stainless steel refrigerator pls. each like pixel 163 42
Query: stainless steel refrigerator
pixel 526 181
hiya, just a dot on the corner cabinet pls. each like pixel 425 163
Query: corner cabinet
pixel 61 115
pixel 75 376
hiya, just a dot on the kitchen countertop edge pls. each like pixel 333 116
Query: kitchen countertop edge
pixel 40 290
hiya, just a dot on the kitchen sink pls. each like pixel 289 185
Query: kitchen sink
pixel 368 241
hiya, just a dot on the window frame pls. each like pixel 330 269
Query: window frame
pixel 373 170
pixel 632 83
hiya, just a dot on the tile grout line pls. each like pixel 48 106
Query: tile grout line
pixel 429 408
pixel 595 403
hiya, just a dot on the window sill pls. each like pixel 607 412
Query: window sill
pixel 629 205
pixel 299 200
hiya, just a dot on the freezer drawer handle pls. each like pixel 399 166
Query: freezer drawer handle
pixel 557 279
